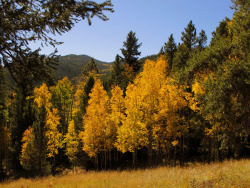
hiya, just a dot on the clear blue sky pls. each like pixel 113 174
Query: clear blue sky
pixel 152 20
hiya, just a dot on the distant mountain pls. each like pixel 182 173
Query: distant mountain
pixel 150 57
pixel 71 66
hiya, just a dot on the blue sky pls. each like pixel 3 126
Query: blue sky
pixel 152 20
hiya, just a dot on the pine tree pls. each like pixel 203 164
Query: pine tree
pixel 91 68
pixel 62 99
pixel 161 52
pixel 130 51
pixel 47 18
pixel 4 132
pixel 189 36
pixel 202 40
pixel 170 49
pixel 117 72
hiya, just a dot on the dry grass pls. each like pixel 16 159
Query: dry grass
pixel 226 174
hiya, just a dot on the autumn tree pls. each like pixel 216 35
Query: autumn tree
pixel 95 122
pixel 117 117
pixel 71 140
pixel 149 82
pixel 53 136
pixel 29 151
pixel 170 127
pixel 38 141
pixel 133 133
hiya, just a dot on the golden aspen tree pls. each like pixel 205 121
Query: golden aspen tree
pixel 53 136
pixel 149 82
pixel 42 97
pixel 72 141
pixel 35 156
pixel 28 152
pixel 116 117
pixel 95 122
pixel 170 126
pixel 133 134
pixel 117 114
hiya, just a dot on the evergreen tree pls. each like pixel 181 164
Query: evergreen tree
pixel 189 36
pixel 202 40
pixel 117 72
pixel 4 133
pixel 90 68
pixel 37 20
pixel 170 49
pixel 161 52
pixel 62 100
pixel 130 51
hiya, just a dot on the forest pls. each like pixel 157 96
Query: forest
pixel 189 103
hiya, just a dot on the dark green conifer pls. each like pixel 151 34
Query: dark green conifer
pixel 202 40
pixel 170 49
pixel 117 72
pixel 91 67
pixel 161 52
pixel 130 51
pixel 189 36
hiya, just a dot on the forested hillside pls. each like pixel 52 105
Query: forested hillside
pixel 71 66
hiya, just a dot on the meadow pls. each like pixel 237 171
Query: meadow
pixel 229 173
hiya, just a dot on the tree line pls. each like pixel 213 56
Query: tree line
pixel 191 104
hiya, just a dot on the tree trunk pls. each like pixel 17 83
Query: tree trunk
pixel 135 159
pixel 96 162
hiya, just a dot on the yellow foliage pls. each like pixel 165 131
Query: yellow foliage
pixel 27 140
pixel 175 143
pixel 42 96
pixel 53 135
pixel 96 121
pixel 117 105
pixel 133 133
pixel 129 72
pixel 71 140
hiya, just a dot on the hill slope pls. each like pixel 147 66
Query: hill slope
pixel 71 66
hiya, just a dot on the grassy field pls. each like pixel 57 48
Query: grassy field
pixel 226 174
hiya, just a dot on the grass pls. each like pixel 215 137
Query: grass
pixel 227 174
